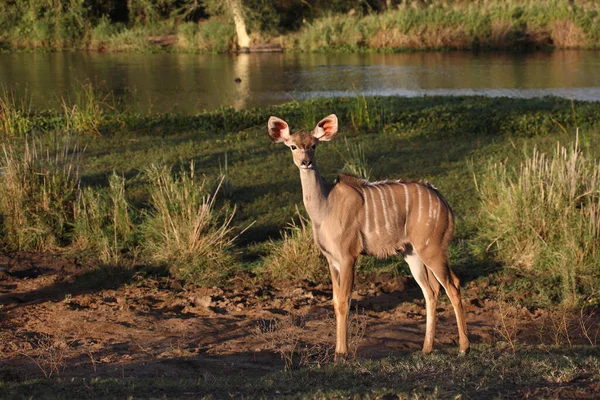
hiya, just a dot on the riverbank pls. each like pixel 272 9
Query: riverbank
pixel 408 26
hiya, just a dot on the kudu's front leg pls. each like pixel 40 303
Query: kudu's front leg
pixel 342 277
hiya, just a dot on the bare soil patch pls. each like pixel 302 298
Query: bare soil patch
pixel 151 326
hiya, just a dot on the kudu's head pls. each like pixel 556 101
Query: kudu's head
pixel 303 143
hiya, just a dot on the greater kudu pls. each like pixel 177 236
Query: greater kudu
pixel 382 218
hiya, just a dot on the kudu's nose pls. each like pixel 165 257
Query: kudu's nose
pixel 306 164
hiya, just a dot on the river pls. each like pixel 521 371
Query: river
pixel 190 83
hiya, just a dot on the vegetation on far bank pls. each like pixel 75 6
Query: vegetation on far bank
pixel 207 196
pixel 341 25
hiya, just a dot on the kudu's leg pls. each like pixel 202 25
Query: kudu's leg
pixel 342 277
pixel 431 288
pixel 438 264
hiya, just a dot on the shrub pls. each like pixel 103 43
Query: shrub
pixel 185 231
pixel 544 219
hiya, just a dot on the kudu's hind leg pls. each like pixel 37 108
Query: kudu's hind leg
pixel 431 288
pixel 438 264
pixel 342 277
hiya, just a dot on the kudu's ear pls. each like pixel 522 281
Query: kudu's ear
pixel 279 130
pixel 327 128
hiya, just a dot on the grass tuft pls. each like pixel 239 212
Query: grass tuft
pixel 544 219
pixel 184 229
pixel 103 225
pixel 296 258
pixel 14 115
pixel 39 184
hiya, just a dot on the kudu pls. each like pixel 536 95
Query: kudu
pixel 382 218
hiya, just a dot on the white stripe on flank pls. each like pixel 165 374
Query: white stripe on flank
pixel 367 217
pixel 430 210
pixel 375 219
pixel 437 213
pixel 406 203
pixel 419 196
pixel 384 206
pixel 395 208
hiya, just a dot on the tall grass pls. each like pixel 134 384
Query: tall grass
pixel 214 35
pixel 86 112
pixel 296 258
pixel 103 227
pixel 544 219
pixel 185 230
pixel 14 115
pixel 458 25
pixel 355 160
pixel 38 187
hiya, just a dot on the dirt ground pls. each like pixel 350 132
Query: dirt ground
pixel 154 327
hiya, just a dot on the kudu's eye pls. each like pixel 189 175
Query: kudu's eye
pixel 293 147
pixel 314 146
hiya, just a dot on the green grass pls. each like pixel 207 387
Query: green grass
pixel 487 372
pixel 446 141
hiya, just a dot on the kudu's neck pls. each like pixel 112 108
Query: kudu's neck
pixel 314 194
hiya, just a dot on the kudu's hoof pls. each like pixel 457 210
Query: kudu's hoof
pixel 340 358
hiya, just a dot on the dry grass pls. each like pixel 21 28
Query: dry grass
pixel 544 219
pixel 48 353
pixel 185 230
pixel 103 225
pixel 566 35
pixel 39 185
pixel 296 258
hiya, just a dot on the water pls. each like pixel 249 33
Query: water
pixel 190 83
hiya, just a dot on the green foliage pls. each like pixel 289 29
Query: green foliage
pixel 544 219
pixel 214 35
pixel 185 231
pixel 355 161
pixel 316 25
pixel 536 371
pixel 443 140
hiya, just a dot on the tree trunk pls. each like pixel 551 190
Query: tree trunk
pixel 243 40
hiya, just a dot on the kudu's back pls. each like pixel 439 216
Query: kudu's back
pixel 397 214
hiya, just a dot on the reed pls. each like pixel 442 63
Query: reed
pixel 85 114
